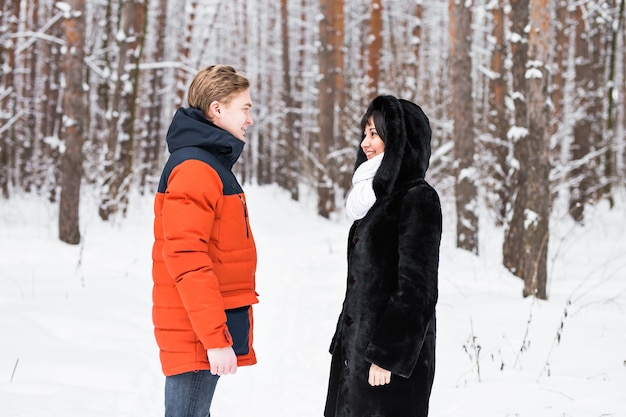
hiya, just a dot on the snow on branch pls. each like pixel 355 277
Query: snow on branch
pixel 40 34
pixel 516 133
pixel 11 121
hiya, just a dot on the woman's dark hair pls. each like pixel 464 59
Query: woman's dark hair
pixel 379 122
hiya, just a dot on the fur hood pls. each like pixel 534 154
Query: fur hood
pixel 407 143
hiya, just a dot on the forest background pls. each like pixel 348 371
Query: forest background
pixel 525 99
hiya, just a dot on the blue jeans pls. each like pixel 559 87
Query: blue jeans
pixel 189 394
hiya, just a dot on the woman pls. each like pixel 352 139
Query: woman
pixel 383 350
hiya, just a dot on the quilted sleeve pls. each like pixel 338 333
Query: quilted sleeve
pixel 192 199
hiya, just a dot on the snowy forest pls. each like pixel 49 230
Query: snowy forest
pixel 525 100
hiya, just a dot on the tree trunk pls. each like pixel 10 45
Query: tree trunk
pixel 622 93
pixel 74 104
pixel 462 114
pixel 561 45
pixel 410 68
pixel 189 11
pixel 119 158
pixel 374 47
pixel 587 137
pixel 307 167
pixel 341 162
pixel 535 154
pixel 288 170
pixel 50 125
pixel 29 145
pixel 513 247
pixel 600 47
pixel 559 125
pixel 326 107
pixel 609 165
pixel 267 147
pixel 152 141
pixel 134 24
pixel 9 19
pixel 498 116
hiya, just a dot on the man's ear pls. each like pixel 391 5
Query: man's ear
pixel 214 111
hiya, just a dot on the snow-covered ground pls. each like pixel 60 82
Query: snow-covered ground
pixel 76 333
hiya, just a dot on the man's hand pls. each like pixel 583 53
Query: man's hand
pixel 378 376
pixel 223 361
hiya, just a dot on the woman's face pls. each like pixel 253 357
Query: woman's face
pixel 372 144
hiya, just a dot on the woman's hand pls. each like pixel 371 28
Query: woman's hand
pixel 223 361
pixel 378 376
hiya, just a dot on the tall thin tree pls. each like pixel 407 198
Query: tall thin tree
pixel 560 127
pixel 51 106
pixel 513 246
pixel 152 143
pixel 465 187
pixel 584 178
pixel 498 144
pixel 560 51
pixel 28 165
pixel 534 153
pixel 410 67
pixel 121 140
pixel 73 120
pixel 326 105
pixel 609 165
pixel 341 163
pixel 290 131
pixel 9 19
pixel 374 47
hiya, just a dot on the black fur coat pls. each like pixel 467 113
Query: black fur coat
pixel 388 315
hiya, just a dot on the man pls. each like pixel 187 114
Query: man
pixel 204 255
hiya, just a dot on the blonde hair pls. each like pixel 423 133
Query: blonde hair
pixel 215 83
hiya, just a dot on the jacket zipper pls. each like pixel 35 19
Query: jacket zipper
pixel 245 215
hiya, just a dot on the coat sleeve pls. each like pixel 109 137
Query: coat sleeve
pixel 403 326
pixel 192 197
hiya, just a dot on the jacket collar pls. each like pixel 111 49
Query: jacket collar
pixel 189 127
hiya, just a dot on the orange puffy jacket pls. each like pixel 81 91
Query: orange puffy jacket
pixel 204 256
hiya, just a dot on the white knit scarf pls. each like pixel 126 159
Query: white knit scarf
pixel 361 197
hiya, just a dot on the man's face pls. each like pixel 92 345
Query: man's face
pixel 234 116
